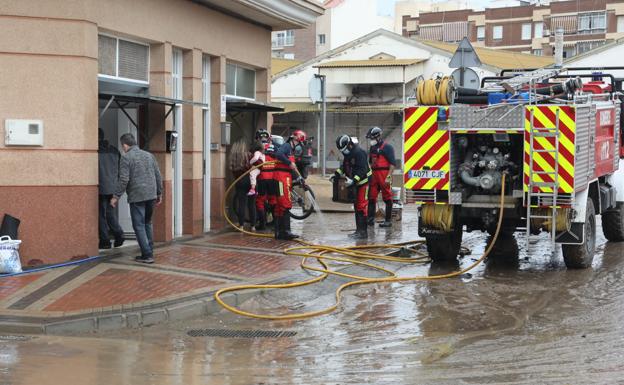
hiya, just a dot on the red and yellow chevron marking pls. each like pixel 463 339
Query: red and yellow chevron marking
pixel 546 117
pixel 427 149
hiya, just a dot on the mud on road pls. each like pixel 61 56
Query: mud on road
pixel 528 321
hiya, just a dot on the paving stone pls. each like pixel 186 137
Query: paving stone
pixel 187 310
pixel 111 322
pixel 133 320
pixel 79 326
pixel 153 317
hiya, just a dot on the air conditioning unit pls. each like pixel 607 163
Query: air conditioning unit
pixel 546 32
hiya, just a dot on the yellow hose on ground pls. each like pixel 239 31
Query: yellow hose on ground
pixel 356 253
pixel 435 92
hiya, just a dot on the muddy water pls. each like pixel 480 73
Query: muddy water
pixel 525 322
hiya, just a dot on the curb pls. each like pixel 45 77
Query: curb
pixel 180 311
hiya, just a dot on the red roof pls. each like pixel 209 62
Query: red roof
pixel 332 3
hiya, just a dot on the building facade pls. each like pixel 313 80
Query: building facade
pixel 529 28
pixel 155 68
pixel 342 22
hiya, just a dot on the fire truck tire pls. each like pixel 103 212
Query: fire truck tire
pixel 444 248
pixel 581 256
pixel 613 224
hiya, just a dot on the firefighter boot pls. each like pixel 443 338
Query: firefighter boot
pixel 371 213
pixel 361 227
pixel 261 220
pixel 287 233
pixel 277 227
pixel 388 220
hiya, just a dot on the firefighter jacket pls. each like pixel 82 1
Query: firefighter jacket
pixel 381 156
pixel 355 166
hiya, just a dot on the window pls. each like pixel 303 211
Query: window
pixel 526 31
pixel 497 32
pixel 620 23
pixel 321 39
pixel 240 81
pixel 283 38
pixel 123 59
pixel 538 52
pixel 589 23
pixel 481 33
pixel 584 46
pixel 538 30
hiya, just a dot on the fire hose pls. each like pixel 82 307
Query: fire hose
pixel 356 255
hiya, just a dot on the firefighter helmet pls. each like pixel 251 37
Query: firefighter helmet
pixel 299 135
pixel 374 133
pixel 277 140
pixel 342 142
pixel 262 134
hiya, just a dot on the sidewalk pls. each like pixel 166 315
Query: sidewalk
pixel 115 292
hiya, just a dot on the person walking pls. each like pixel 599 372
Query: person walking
pixel 357 172
pixel 108 176
pixel 140 178
pixel 382 161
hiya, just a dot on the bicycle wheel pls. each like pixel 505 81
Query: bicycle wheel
pixel 302 202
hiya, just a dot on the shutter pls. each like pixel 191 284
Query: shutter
pixel 133 60
pixel 107 55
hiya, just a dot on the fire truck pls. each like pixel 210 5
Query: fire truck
pixel 554 133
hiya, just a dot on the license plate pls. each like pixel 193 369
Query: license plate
pixel 427 174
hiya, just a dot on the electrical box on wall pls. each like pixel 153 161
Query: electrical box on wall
pixel 23 132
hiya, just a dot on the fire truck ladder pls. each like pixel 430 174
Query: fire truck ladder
pixel 546 193
pixel 516 83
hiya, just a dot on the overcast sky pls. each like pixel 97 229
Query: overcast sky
pixel 386 7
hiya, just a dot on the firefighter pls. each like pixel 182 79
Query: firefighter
pixel 302 153
pixel 265 179
pixel 382 161
pixel 357 172
pixel 283 173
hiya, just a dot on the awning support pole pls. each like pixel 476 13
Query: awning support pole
pixel 170 109
pixel 127 115
pixel 107 105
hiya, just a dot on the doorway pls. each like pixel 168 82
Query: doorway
pixel 114 123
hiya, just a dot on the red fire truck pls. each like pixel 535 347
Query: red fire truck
pixel 556 135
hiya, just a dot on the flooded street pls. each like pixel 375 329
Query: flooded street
pixel 531 321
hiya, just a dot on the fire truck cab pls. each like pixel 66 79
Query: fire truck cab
pixel 556 135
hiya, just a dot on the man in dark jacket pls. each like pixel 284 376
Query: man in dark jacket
pixel 357 172
pixel 140 178
pixel 108 167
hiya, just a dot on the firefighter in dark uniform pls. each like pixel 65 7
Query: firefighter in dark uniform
pixel 355 168
pixel 382 161
pixel 265 179
pixel 303 153
pixel 283 173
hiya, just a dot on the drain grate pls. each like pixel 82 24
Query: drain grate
pixel 14 338
pixel 229 333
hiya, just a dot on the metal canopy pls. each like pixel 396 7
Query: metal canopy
pixel 251 106
pixel 146 98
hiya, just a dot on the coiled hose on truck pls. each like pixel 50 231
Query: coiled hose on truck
pixel 356 255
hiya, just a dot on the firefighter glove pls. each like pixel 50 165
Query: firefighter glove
pixel 349 182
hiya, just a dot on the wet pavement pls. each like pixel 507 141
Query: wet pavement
pixel 524 321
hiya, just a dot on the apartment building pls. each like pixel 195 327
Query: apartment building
pixel 529 28
pixel 342 22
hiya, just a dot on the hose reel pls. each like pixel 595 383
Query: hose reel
pixel 435 92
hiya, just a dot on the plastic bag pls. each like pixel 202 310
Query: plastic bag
pixel 9 256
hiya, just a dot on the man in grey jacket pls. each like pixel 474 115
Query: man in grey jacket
pixel 108 167
pixel 139 177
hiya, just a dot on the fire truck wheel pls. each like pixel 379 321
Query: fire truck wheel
pixel 613 223
pixel 444 248
pixel 581 256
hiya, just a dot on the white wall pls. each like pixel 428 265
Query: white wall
pixel 355 18
pixel 609 57
pixel 293 88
